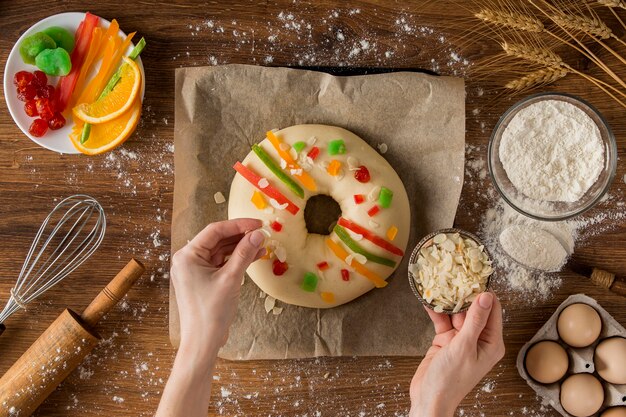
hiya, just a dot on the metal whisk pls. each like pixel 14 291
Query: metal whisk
pixel 68 236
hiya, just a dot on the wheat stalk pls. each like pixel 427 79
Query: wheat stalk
pixel 541 56
pixel 589 25
pixel 536 79
pixel 613 3
pixel 510 20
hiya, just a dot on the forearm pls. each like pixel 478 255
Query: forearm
pixel 432 407
pixel 188 390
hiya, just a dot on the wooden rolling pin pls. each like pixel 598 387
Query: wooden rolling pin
pixel 60 349
pixel 607 280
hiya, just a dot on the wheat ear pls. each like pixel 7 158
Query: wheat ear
pixel 537 79
pixel 613 3
pixel 541 56
pixel 511 20
pixel 589 25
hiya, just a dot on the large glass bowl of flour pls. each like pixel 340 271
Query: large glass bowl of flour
pixel 552 156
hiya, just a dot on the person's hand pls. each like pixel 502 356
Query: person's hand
pixel 207 282
pixel 466 346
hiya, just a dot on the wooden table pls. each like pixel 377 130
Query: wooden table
pixel 125 375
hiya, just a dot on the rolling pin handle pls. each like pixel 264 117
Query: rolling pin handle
pixel 2 328
pixel 113 292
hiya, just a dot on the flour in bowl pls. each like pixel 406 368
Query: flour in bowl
pixel 552 151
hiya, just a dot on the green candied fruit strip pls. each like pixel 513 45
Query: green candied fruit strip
pixel 309 283
pixel 54 61
pixel 336 147
pixel 63 38
pixel 267 160
pixel 385 197
pixel 34 44
pixel 298 146
pixel 355 247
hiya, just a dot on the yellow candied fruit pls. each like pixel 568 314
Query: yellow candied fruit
pixel 268 253
pixel 258 200
pixel 329 297
pixel 392 232
pixel 334 167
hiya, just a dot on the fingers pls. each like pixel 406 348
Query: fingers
pixel 245 253
pixel 477 317
pixel 458 320
pixel 214 233
pixel 492 333
pixel 440 320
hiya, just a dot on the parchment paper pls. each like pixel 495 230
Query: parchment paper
pixel 221 111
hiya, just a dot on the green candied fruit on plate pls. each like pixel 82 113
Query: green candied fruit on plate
pixel 336 147
pixel 34 44
pixel 298 146
pixel 54 61
pixel 63 38
pixel 309 283
pixel 384 197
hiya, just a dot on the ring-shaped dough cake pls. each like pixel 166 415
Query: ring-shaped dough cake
pixel 274 182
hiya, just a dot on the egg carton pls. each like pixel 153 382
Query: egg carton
pixel 581 359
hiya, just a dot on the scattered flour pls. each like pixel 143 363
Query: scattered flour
pixel 533 247
pixel 552 151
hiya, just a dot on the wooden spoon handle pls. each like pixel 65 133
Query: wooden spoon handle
pixel 112 293
pixel 619 287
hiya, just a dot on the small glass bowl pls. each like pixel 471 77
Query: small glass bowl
pixel 552 210
pixel 428 241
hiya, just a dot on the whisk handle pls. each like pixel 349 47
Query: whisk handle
pixel 2 328
pixel 113 292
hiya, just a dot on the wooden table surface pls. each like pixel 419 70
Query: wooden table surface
pixel 126 373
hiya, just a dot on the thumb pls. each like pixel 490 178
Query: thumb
pixel 245 253
pixel 477 317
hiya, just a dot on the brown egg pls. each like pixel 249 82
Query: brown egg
pixel 582 395
pixel 546 362
pixel 610 360
pixel 579 325
pixel 614 412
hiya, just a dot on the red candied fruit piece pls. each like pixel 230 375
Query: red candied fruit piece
pixel 362 174
pixel 45 91
pixel 276 226
pixel 313 153
pixel 279 268
pixel 359 198
pixel 322 266
pixel 30 108
pixel 40 79
pixel 26 92
pixel 44 108
pixel 56 122
pixel 22 78
pixel 345 275
pixel 373 211
pixel 38 128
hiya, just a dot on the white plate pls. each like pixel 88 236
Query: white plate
pixel 55 140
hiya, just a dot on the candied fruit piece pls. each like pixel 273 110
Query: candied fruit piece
pixel 63 38
pixel 329 297
pixel 279 268
pixel 54 61
pixel 46 92
pixel 56 122
pixel 384 197
pixel 38 128
pixel 277 227
pixel 334 167
pixel 336 147
pixel 40 79
pixel 44 108
pixel 30 108
pixel 345 275
pixel 392 232
pixel 359 198
pixel 27 92
pixel 373 211
pixel 258 200
pixel 322 266
pixel 362 174
pixel 34 44
pixel 313 153
pixel 22 78
pixel 309 283
pixel 298 146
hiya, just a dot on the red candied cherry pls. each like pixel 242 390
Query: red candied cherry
pixel 26 92
pixel 22 78
pixel 279 268
pixel 30 108
pixel 46 91
pixel 38 128
pixel 56 122
pixel 362 174
pixel 44 108
pixel 40 79
pixel 345 275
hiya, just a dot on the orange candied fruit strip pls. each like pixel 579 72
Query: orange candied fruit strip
pixel 342 254
pixel 334 167
pixel 305 179
pixel 329 297
pixel 258 200
pixel 392 232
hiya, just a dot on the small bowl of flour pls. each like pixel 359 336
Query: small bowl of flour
pixel 552 156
